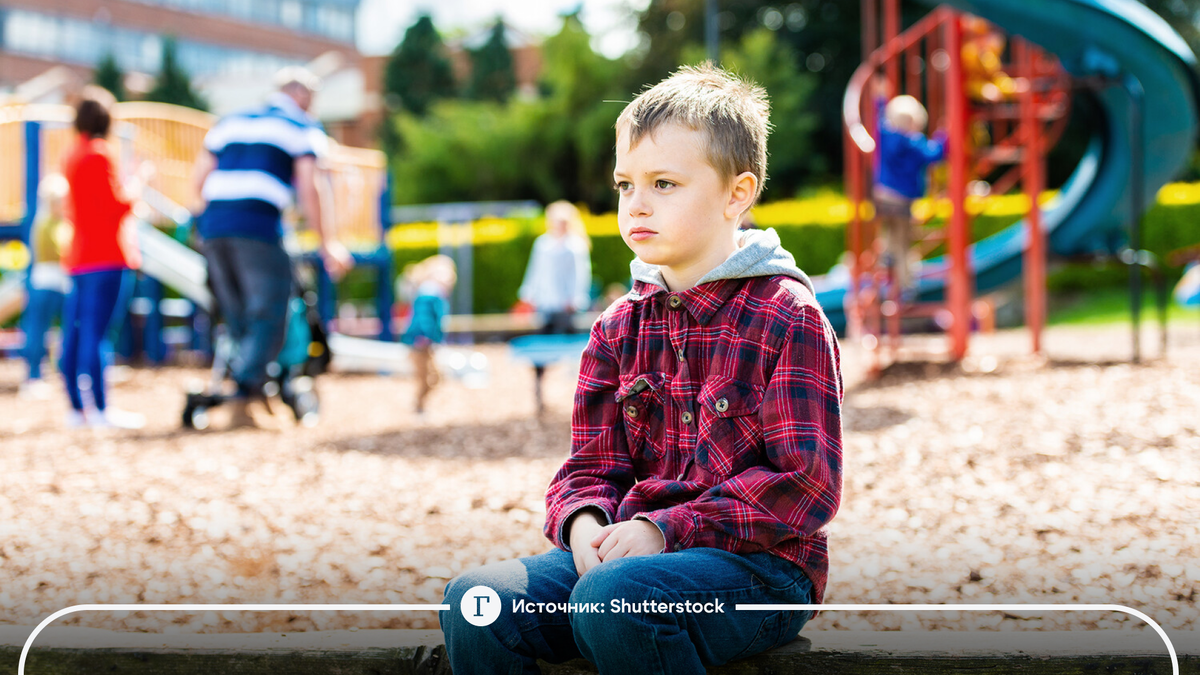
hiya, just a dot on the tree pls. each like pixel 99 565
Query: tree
pixel 764 59
pixel 582 91
pixel 1182 15
pixel 418 71
pixel 173 84
pixel 558 146
pixel 824 36
pixel 108 75
pixel 492 74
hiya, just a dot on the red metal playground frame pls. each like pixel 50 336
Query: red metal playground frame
pixel 925 61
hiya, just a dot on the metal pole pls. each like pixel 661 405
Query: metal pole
pixel 711 35
pixel 958 276
pixel 870 28
pixel 1137 100
pixel 1032 178
pixel 891 29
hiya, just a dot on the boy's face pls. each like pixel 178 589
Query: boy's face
pixel 674 206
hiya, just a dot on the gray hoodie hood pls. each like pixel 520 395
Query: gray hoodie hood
pixel 759 254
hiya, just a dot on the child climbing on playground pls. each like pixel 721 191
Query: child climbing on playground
pixel 431 282
pixel 48 281
pixel 904 154
pixel 706 446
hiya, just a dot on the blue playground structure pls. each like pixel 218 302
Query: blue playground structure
pixel 157 323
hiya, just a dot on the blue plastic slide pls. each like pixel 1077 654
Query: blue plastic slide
pixel 1123 46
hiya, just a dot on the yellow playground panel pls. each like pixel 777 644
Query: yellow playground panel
pixel 357 176
pixel 12 165
pixel 171 137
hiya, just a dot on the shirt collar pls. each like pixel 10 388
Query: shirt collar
pixel 287 104
pixel 701 301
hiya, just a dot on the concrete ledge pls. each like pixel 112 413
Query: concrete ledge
pixel 71 651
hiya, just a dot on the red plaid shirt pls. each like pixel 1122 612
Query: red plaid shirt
pixel 714 413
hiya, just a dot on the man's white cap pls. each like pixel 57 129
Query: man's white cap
pixel 297 75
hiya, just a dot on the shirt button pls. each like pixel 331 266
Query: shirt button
pixel 687 418
pixel 679 353
pixel 631 410
pixel 675 302
pixel 722 405
pixel 676 547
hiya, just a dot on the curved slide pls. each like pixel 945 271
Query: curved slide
pixel 1121 41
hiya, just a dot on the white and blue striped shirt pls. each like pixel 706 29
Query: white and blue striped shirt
pixel 256 154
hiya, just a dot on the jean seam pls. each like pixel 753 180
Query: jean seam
pixel 762 627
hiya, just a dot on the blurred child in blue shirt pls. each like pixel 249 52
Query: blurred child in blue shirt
pixel 904 153
pixel 432 279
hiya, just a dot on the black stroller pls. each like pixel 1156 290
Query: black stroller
pixel 305 355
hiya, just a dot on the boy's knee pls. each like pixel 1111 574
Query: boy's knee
pixel 616 580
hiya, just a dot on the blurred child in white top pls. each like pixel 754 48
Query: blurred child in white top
pixel 559 276
pixel 558 279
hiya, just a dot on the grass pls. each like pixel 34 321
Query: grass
pixel 1111 305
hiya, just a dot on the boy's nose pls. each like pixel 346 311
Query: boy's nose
pixel 636 205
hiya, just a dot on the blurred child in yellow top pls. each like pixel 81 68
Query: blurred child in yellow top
pixel 48 283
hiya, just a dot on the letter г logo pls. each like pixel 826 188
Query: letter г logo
pixel 480 606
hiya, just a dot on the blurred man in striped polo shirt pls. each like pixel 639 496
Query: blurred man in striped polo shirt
pixel 255 161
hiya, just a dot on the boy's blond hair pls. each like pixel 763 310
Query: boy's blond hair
pixel 905 112
pixel 574 218
pixel 732 112
pixel 439 268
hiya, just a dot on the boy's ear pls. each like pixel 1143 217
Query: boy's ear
pixel 741 194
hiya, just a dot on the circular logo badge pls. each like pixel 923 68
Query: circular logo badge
pixel 480 606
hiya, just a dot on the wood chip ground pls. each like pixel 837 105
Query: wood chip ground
pixel 1072 478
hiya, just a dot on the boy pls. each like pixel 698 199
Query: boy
pixel 706 435
pixel 904 155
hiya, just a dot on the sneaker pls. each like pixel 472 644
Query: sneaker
pixel 252 413
pixel 76 419
pixel 113 418
pixel 34 390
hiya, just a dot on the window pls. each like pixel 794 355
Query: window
pixel 85 43
pixel 291 13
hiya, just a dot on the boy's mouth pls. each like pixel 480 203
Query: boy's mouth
pixel 641 233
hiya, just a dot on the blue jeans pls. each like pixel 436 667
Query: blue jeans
pixel 625 642
pixel 94 301
pixel 45 305
pixel 252 281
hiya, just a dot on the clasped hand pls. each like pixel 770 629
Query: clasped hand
pixel 593 543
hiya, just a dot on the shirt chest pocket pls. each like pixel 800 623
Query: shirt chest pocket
pixel 641 399
pixel 729 438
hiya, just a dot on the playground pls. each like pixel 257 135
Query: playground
pixel 1033 465
pixel 1063 480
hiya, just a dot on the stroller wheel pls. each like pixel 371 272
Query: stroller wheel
pixel 302 398
pixel 195 417
pixel 307 409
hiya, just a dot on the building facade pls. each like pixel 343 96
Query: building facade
pixel 222 44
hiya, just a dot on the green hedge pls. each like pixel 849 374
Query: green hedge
pixel 499 266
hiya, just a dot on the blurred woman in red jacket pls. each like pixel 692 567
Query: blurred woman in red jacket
pixel 96 263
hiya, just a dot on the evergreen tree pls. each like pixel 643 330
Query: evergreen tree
pixel 108 75
pixel 173 84
pixel 418 71
pixel 492 74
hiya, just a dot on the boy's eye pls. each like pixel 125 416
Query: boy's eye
pixel 663 184
pixel 621 186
